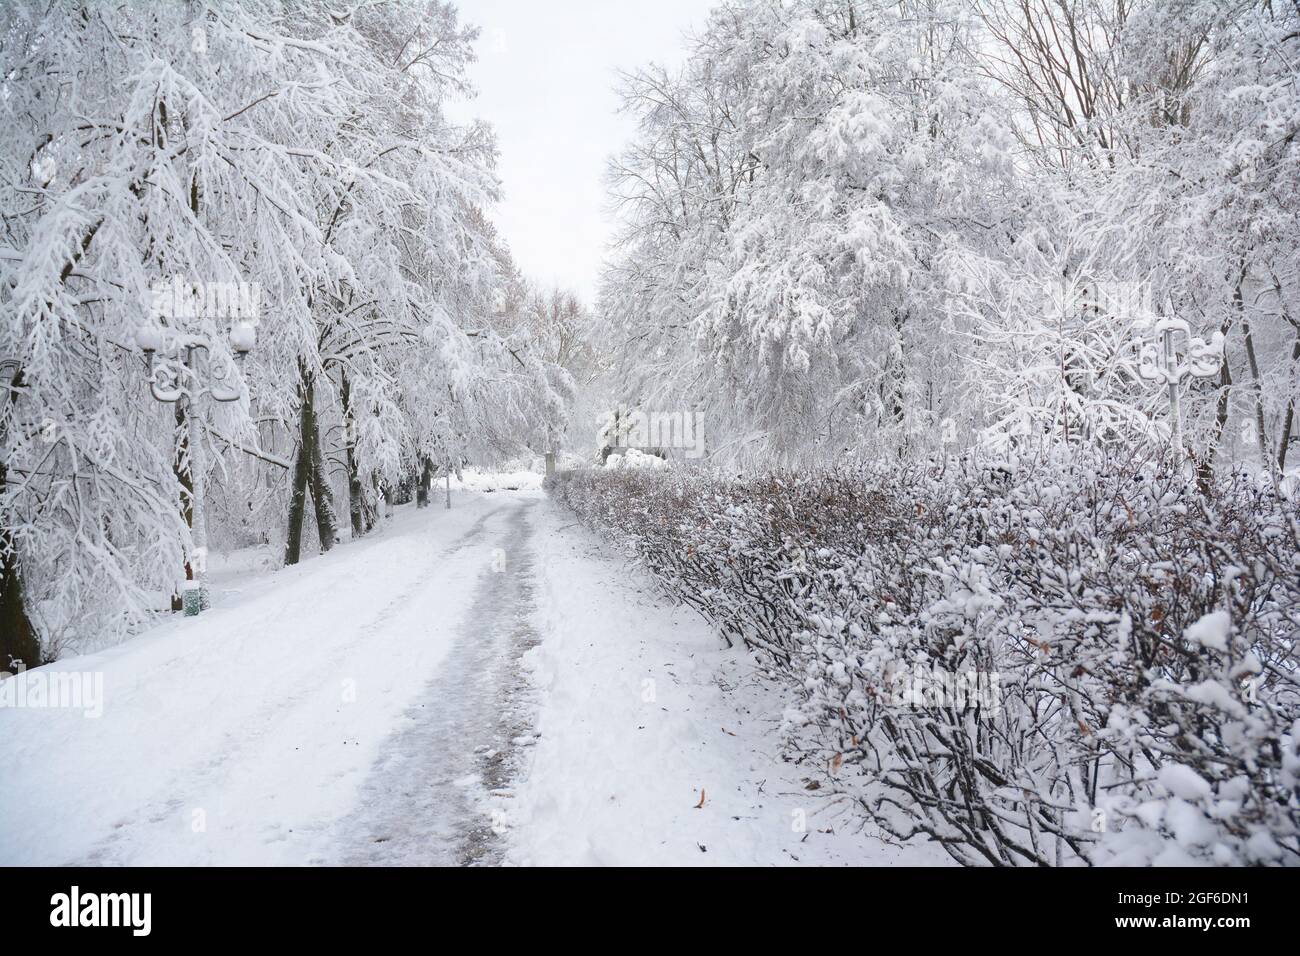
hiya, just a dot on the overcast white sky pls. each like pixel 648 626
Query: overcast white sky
pixel 546 80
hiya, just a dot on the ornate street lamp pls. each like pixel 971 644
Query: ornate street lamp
pixel 1160 363
pixel 172 362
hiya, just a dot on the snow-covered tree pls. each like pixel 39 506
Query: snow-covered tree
pixel 863 226
pixel 798 189
pixel 297 150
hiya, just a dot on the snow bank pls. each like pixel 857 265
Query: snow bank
pixel 491 481
pixel 655 743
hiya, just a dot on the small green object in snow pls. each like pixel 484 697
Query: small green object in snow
pixel 192 601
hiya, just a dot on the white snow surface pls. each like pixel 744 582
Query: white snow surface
pixel 633 458
pixel 240 719
pixel 644 711
pixel 1211 631
pixel 522 479
pixel 390 702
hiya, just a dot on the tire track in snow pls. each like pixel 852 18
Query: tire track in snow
pixel 440 791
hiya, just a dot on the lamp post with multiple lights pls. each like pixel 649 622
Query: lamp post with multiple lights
pixel 1162 364
pixel 182 369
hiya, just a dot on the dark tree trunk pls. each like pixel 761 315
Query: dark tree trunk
pixel 182 471
pixel 301 471
pixel 424 483
pixel 309 475
pixel 18 640
pixel 321 494
pixel 356 499
pixel 356 506
pixel 1288 417
pixel 1252 362
pixel 1205 469
pixel 1288 420
pixel 182 466
pixel 297 506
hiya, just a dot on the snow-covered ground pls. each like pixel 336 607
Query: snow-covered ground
pixel 657 744
pixel 247 735
pixel 522 479
pixel 482 685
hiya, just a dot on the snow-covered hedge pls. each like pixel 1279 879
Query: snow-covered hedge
pixel 1051 662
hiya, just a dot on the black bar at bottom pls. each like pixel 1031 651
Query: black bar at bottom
pixel 330 906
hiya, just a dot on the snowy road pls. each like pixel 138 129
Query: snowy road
pixel 430 799
pixel 470 687
pixel 293 722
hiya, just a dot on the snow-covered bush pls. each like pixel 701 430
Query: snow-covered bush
pixel 1050 662
pixel 634 458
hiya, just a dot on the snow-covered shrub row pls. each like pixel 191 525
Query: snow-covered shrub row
pixel 1035 663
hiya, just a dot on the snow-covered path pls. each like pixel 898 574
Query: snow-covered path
pixel 249 735
pixel 483 685
pixel 455 754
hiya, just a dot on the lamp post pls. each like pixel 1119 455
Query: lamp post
pixel 1160 363
pixel 172 363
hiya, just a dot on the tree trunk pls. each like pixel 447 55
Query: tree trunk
pixel 184 478
pixel 322 496
pixel 1253 364
pixel 356 500
pixel 297 505
pixel 317 478
pixel 1205 470
pixel 1288 421
pixel 1288 417
pixel 424 484
pixel 309 475
pixel 18 640
pixel 184 459
pixel 301 469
